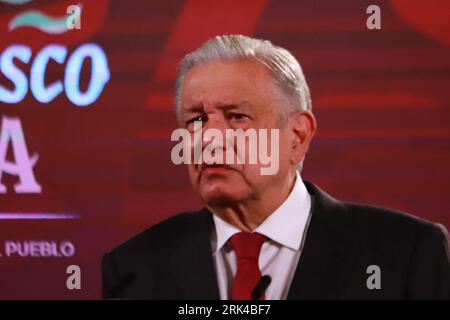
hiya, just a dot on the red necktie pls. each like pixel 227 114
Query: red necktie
pixel 247 247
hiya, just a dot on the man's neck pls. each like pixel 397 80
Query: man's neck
pixel 248 215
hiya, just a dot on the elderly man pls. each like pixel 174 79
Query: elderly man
pixel 270 236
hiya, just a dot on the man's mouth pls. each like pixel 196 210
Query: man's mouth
pixel 215 168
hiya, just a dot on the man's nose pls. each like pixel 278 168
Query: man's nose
pixel 210 136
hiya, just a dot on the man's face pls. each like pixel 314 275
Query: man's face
pixel 237 94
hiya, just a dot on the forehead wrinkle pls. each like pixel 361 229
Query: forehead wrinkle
pixel 211 95
pixel 224 105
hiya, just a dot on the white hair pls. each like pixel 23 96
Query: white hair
pixel 282 65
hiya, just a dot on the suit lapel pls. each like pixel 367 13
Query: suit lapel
pixel 192 262
pixel 320 268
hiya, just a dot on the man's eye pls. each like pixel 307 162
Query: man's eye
pixel 199 118
pixel 239 116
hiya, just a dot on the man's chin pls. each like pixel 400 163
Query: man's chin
pixel 216 198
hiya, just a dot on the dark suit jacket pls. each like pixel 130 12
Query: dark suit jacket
pixel 173 260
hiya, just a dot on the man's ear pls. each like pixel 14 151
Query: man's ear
pixel 303 129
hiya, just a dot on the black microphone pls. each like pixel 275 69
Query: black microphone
pixel 261 287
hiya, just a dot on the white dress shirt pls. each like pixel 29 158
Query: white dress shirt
pixel 285 229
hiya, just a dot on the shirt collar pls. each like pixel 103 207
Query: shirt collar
pixel 285 225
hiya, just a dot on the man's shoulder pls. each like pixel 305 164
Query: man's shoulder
pixel 368 221
pixel 368 217
pixel 386 218
pixel 383 227
pixel 164 235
